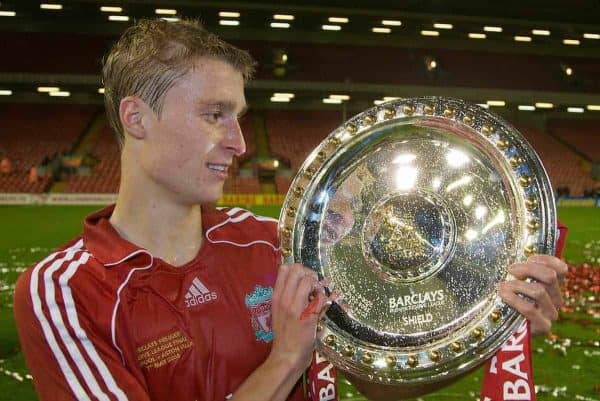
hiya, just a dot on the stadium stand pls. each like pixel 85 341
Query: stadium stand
pixel 282 183
pixel 33 133
pixel 16 182
pixel 564 167
pixel 292 135
pixel 104 177
pixel 583 135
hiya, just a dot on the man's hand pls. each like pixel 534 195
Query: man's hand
pixel 294 321
pixel 294 324
pixel 541 310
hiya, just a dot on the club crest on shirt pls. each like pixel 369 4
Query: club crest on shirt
pixel 259 304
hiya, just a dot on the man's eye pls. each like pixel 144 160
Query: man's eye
pixel 213 117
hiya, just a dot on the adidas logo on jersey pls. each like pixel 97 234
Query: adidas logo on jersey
pixel 198 294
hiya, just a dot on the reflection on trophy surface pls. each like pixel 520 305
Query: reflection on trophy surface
pixel 339 217
pixel 413 215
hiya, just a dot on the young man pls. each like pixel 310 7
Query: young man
pixel 159 299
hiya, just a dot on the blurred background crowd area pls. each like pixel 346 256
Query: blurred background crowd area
pixel 535 63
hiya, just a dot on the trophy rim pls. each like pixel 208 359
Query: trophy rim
pixel 476 340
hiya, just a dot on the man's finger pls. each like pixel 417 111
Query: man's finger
pixel 306 287
pixel 296 274
pixel 539 323
pixel 552 262
pixel 282 274
pixel 543 274
pixel 536 292
pixel 537 271
pixel 316 307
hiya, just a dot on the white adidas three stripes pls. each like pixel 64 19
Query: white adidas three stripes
pixel 74 256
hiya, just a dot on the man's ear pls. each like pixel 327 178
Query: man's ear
pixel 132 112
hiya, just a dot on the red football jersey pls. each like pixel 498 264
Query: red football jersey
pixel 103 319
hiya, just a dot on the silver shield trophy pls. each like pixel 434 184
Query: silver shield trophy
pixel 413 209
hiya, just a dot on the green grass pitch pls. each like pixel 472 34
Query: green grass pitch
pixel 562 371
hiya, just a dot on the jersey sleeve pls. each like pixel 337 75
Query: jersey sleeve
pixel 69 355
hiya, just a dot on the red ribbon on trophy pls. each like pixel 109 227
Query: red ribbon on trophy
pixel 322 380
pixel 509 373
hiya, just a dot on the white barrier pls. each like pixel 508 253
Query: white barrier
pixel 56 199
pixel 16 199
pixel 80 199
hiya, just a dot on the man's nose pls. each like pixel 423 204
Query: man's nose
pixel 234 139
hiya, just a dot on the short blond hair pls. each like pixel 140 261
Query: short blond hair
pixel 152 55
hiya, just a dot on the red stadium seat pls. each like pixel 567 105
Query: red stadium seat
pixel 32 132
pixel 292 135
pixel 564 167
pixel 105 175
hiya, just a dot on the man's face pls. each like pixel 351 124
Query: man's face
pixel 188 150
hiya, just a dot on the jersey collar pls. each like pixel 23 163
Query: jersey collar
pixel 104 242
pixel 110 249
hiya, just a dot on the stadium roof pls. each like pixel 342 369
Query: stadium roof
pixel 554 26
pixel 559 32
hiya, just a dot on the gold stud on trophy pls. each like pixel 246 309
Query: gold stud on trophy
pixel 309 172
pixel 487 130
pixel 298 191
pixel 477 333
pixel 369 119
pixel 533 225
pixel 351 128
pixel 367 358
pixel 531 203
pixel 525 181
pixel 515 161
pixel 502 144
pixel 390 361
pixel 335 141
pixel 457 347
pixel 435 356
pixel 330 340
pixel 388 113
pixel 449 112
pixel 496 316
pixel 348 350
pixel 412 361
